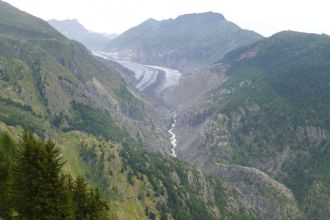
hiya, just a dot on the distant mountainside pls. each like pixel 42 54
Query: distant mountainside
pixel 269 111
pixel 55 88
pixel 187 42
pixel 72 29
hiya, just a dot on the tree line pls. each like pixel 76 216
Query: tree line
pixel 33 185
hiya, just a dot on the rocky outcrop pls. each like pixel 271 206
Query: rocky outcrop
pixel 314 135
pixel 271 199
pixel 149 128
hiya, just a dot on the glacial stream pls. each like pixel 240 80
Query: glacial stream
pixel 173 136
pixel 146 75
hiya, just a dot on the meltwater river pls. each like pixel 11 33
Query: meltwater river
pixel 173 136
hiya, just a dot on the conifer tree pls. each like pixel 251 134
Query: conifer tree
pixel 96 204
pixel 34 187
pixel 41 190
pixel 58 194
pixel 7 148
pixel 80 198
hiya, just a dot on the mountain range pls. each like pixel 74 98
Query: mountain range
pixel 54 87
pixel 187 42
pixel 252 115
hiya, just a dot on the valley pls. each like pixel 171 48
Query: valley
pixel 186 118
pixel 152 81
pixel 220 130
pixel 213 105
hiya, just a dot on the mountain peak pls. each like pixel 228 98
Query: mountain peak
pixel 187 42
pixel 205 15
pixel 67 23
pixel 150 21
pixel 73 29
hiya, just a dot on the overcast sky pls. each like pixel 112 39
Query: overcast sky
pixel 115 16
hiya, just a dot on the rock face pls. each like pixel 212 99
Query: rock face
pixel 185 43
pixel 72 29
pixel 271 199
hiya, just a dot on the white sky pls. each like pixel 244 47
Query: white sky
pixel 115 16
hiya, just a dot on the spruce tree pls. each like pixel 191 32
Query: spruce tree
pixel 58 194
pixel 96 205
pixel 80 198
pixel 31 184
pixel 41 192
pixel 27 176
pixel 7 149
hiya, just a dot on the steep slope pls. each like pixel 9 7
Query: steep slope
pixel 59 80
pixel 185 43
pixel 72 29
pixel 270 112
pixel 146 186
pixel 140 185
pixel 20 24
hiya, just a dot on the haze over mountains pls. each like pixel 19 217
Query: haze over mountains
pixel 72 29
pixel 252 115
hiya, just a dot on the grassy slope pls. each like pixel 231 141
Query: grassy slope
pixel 134 181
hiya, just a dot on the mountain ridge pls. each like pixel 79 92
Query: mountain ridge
pixel 191 40
pixel 270 112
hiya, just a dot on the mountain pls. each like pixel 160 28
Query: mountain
pixel 72 29
pixel 58 78
pixel 105 129
pixel 187 42
pixel 270 111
